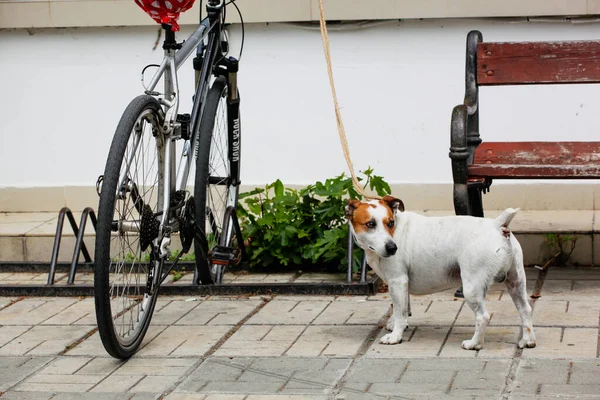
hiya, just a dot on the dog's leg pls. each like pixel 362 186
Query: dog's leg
pixel 515 283
pixel 474 292
pixel 399 321
pixel 390 324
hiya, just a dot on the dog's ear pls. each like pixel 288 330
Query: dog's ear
pixel 352 205
pixel 394 203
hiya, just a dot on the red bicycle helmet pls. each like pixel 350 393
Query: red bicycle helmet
pixel 165 11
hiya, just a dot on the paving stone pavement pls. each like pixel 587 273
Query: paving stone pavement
pixel 308 347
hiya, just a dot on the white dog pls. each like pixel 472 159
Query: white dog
pixel 421 255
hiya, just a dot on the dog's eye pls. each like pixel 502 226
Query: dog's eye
pixel 391 223
pixel 371 224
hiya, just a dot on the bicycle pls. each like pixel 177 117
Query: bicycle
pixel 144 198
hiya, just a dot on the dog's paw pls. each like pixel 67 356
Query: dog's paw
pixel 471 345
pixel 390 325
pixel 526 343
pixel 391 338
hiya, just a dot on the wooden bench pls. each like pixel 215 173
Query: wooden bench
pixel 475 164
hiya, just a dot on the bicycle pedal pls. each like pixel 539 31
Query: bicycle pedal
pixel 223 255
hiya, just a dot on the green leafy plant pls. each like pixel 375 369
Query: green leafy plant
pixel 284 226
pixel 561 247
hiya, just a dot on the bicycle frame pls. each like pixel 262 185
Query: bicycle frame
pixel 174 178
pixel 174 57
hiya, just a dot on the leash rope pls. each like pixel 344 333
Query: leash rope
pixel 338 115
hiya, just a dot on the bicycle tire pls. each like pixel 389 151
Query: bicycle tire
pixel 123 321
pixel 212 191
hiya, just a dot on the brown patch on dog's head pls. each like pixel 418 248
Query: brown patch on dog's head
pixel 358 214
pixel 351 207
pixel 393 203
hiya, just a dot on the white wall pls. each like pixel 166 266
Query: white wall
pixel 63 91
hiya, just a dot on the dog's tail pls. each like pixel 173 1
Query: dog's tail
pixel 507 215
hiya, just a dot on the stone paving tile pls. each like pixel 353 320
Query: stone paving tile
pixel 156 384
pixel 224 369
pixel 45 340
pixel 186 278
pixel 571 390
pixel 107 396
pixel 422 341
pixel 304 297
pixel 14 369
pixel 5 301
pixel 320 277
pixel 274 278
pixel 281 397
pixel 118 384
pixel 585 372
pixel 12 395
pixel 500 342
pixel 33 311
pixel 79 313
pixel 155 366
pixel 92 346
pixel 260 340
pixel 84 278
pixel 564 343
pixel 200 396
pixel 219 312
pixel 288 312
pixel 266 376
pixel 372 370
pixel 169 311
pixel 145 375
pixel 185 340
pixel 395 389
pixel 59 383
pixel 577 290
pixel 383 377
pixel 588 273
pixel 334 341
pixel 9 332
pixel 566 313
pixel 25 277
pixel 385 296
pixel 433 312
pixel 351 298
pixel 532 373
pixel 81 366
pixel 65 366
pixel 360 312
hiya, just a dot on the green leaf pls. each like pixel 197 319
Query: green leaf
pixel 251 193
pixel 380 186
pixel 278 188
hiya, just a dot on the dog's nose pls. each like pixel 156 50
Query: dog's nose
pixel 391 248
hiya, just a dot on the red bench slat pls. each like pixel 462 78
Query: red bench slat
pixel 538 63
pixel 531 160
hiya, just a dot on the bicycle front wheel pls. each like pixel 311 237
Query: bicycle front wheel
pixel 217 165
pixel 128 222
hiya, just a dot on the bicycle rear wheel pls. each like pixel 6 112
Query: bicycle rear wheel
pixel 214 187
pixel 128 221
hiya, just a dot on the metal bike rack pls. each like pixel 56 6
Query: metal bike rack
pixel 363 267
pixel 70 288
pixel 79 244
